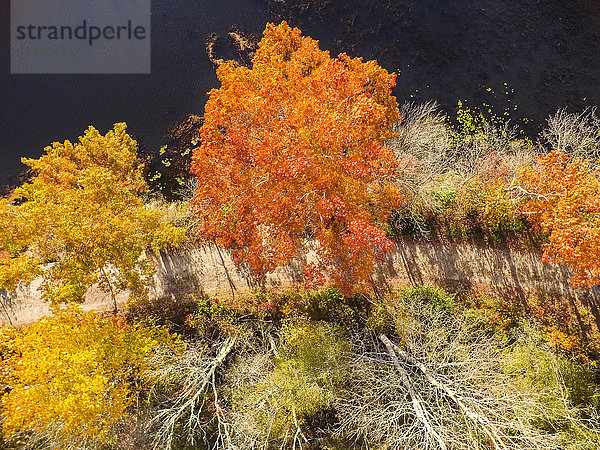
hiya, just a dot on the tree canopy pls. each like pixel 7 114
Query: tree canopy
pixel 82 220
pixel 564 204
pixel 293 148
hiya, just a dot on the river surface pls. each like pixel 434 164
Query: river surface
pixel 547 51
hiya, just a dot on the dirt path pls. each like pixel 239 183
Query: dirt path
pixel 511 273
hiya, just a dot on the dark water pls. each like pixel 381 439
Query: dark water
pixel 547 51
pixel 36 110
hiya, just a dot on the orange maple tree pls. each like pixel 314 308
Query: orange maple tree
pixel 564 202
pixel 293 148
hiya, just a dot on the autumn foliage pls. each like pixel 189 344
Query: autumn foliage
pixel 564 203
pixel 75 373
pixel 292 148
pixel 82 220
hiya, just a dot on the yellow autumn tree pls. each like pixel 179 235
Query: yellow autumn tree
pixel 82 220
pixel 74 373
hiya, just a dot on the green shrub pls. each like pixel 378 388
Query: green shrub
pixel 433 297
pixel 224 314
pixel 445 195
pixel 171 311
pixel 331 306
pixel 301 381
pixel 567 396
pixel 216 319
pixel 380 319
pixel 418 303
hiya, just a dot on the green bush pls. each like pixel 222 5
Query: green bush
pixel 445 195
pixel 301 381
pixel 567 396
pixel 436 298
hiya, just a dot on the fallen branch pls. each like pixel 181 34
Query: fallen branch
pixel 417 402
pixel 477 418
pixel 525 192
pixel 192 401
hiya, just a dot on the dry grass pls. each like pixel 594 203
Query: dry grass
pixel 444 169
pixel 575 134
